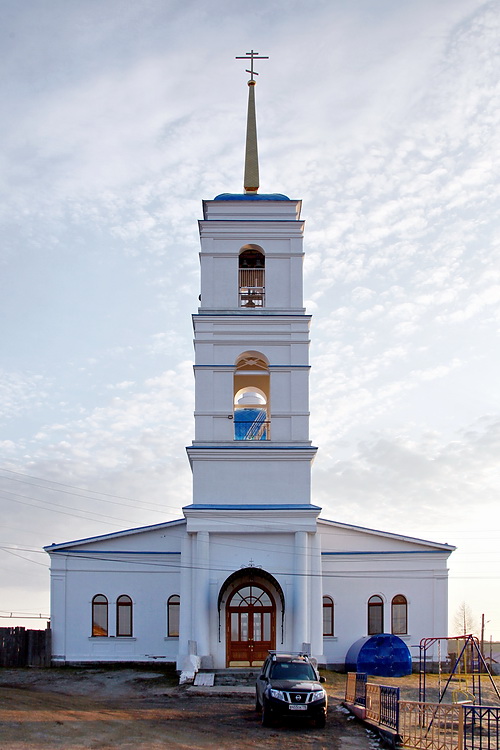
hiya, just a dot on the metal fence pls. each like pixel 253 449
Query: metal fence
pixel 350 687
pixel 382 705
pixel 361 678
pixel 389 707
pixel 372 702
pixel 431 726
pixel 481 727
pixel 425 726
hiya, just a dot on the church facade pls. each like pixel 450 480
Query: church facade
pixel 251 566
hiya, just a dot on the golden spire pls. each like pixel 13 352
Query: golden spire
pixel 251 177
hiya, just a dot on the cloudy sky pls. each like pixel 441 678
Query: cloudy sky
pixel 118 119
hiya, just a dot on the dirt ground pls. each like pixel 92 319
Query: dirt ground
pixel 70 709
pixel 133 709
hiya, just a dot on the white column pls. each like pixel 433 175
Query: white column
pixel 201 590
pixel 316 600
pixel 59 620
pixel 440 591
pixel 186 588
pixel 300 618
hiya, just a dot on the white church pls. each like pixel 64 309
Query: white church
pixel 251 566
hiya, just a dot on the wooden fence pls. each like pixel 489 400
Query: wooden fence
pixel 25 648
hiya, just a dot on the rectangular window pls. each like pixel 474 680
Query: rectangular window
pixel 257 626
pixel 328 611
pixel 399 624
pixel 99 616
pixel 244 626
pixel 173 615
pixel 235 630
pixel 375 623
pixel 267 627
pixel 124 617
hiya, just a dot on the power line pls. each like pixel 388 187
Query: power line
pixel 76 494
pixel 9 552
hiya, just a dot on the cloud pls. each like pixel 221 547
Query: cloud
pixel 20 393
pixel 403 483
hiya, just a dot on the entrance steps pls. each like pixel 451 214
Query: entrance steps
pixel 234 676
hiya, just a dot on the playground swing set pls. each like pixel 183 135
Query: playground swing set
pixel 465 675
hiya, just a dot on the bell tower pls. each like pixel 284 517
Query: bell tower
pixel 251 339
pixel 251 455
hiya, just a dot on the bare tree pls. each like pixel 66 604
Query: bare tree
pixel 464 622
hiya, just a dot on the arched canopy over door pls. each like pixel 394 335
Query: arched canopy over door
pixel 250 598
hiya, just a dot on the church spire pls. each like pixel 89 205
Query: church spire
pixel 251 176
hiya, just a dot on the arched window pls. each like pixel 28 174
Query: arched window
pixel 375 615
pixel 251 397
pixel 399 615
pixel 251 270
pixel 328 613
pixel 124 616
pixel 99 615
pixel 173 611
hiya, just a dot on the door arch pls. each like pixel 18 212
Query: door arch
pixel 250 625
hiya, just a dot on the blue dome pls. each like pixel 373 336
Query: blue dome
pixel 383 655
pixel 251 197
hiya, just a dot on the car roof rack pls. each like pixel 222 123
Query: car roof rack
pixel 302 654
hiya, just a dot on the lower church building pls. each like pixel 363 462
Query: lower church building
pixel 251 566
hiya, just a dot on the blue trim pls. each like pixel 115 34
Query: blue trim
pixel 117 552
pixel 200 506
pixel 262 312
pixel 251 197
pixel 256 445
pixel 389 552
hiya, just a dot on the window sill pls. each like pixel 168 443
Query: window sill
pixel 330 638
pixel 112 637
pixel 171 638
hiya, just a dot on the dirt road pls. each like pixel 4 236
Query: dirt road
pixel 133 710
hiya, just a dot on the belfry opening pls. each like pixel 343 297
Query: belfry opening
pixel 251 277
pixel 251 397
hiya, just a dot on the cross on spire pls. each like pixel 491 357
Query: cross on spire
pixel 253 56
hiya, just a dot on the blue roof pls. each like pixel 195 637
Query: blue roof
pixel 251 506
pixel 251 197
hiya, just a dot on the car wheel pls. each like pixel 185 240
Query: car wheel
pixel 258 707
pixel 266 716
pixel 321 721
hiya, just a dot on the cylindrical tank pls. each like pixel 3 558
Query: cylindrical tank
pixel 383 655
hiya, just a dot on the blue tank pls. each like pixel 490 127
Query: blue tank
pixel 382 655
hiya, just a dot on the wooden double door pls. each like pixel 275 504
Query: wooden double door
pixel 250 625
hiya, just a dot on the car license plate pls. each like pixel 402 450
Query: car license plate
pixel 297 708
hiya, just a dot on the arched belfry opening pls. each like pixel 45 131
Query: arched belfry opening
pixel 251 397
pixel 251 276
pixel 251 603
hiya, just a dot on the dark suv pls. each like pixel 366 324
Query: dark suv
pixel 289 686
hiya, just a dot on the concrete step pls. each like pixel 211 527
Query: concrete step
pixel 234 677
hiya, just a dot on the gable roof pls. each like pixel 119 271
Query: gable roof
pixel 362 530
pixel 322 522
pixel 115 535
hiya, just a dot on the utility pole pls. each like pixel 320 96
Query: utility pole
pixel 482 635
